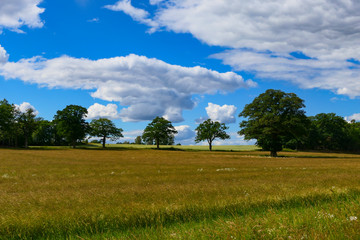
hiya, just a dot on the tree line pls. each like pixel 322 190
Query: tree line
pixel 275 119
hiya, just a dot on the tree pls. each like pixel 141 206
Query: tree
pixel 8 128
pixel 70 123
pixel 105 128
pixel 159 130
pixel 28 123
pixel 44 134
pixel 209 131
pixel 330 132
pixel 138 140
pixel 272 117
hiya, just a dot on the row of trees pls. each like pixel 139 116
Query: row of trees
pixel 275 119
pixel 69 127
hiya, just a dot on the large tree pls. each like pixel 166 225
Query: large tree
pixel 209 131
pixel 159 131
pixel 70 123
pixel 105 128
pixel 272 117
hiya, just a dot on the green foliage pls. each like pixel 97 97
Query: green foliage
pixel 273 117
pixel 44 134
pixel 70 123
pixel 27 123
pixel 138 140
pixel 209 131
pixel 329 131
pixel 8 128
pixel 105 128
pixel 159 131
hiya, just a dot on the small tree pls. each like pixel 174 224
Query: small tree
pixel 70 123
pixel 138 140
pixel 272 117
pixel 105 128
pixel 159 130
pixel 209 131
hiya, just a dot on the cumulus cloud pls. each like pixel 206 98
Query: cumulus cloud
pixel 264 34
pixel 145 87
pixel 17 13
pixel 25 106
pixel 184 133
pixel 223 114
pixel 101 111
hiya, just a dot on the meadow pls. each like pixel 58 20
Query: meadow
pixel 128 193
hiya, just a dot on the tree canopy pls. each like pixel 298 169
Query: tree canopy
pixel 209 131
pixel 28 123
pixel 274 116
pixel 105 128
pixel 159 131
pixel 70 123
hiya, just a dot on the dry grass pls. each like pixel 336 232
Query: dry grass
pixel 154 194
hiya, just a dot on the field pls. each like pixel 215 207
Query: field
pixel 177 194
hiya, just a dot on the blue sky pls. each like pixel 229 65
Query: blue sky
pixel 186 60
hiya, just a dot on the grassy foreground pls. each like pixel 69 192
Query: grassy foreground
pixel 149 194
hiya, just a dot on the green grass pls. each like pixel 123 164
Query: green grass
pixel 149 194
pixel 183 147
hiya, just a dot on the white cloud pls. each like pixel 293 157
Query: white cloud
pixel 3 55
pixel 137 14
pixel 25 106
pixel 146 87
pixel 16 13
pixel 100 111
pixel 355 117
pixel 341 77
pixel 223 114
pixel 328 31
pixel 131 135
pixel 184 133
pixel 95 20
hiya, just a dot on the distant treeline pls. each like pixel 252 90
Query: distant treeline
pixel 325 131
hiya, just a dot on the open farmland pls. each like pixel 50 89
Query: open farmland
pixel 149 194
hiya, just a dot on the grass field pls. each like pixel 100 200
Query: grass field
pixel 150 194
pixel 184 147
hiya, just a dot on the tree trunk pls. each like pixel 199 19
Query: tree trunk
pixel 273 153
pixel 73 144
pixel 103 141
pixel 210 146
pixel 157 143
pixel 26 142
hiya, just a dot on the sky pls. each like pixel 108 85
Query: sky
pixel 185 60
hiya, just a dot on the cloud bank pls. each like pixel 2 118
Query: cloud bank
pixel 146 87
pixel 311 43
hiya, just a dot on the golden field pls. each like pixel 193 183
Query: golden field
pixel 177 194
